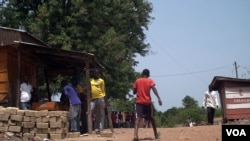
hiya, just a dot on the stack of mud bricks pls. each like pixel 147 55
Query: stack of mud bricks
pixel 29 124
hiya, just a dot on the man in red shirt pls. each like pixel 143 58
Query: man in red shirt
pixel 114 119
pixel 141 88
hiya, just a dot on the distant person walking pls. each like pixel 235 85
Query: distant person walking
pixel 120 119
pixel 142 87
pixel 114 119
pixel 210 102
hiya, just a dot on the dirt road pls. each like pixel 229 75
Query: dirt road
pixel 195 133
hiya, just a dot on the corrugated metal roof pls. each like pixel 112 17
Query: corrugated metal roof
pixel 52 57
pixel 217 80
pixel 9 35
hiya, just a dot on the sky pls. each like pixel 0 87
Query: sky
pixel 192 41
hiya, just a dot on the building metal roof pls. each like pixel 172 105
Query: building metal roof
pixel 218 80
pixel 52 58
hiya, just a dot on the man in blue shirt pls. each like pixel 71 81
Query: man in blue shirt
pixel 75 106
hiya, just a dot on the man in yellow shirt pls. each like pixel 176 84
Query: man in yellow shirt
pixel 98 104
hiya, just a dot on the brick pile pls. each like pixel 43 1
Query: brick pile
pixel 30 124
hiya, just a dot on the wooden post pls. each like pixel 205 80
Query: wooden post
pixel 110 124
pixel 47 84
pixel 109 116
pixel 18 76
pixel 89 114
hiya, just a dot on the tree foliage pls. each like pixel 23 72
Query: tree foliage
pixel 113 30
pixel 123 105
pixel 189 102
pixel 175 116
pixel 181 116
pixel 16 14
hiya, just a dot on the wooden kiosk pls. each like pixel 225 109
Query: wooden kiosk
pixel 234 96
pixel 23 54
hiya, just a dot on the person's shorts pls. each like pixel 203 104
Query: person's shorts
pixel 144 111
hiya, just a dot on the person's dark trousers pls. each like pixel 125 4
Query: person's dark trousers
pixel 115 125
pixel 84 125
pixel 84 121
pixel 210 115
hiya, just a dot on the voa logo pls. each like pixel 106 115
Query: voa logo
pixel 236 132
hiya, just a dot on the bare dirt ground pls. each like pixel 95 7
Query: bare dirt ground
pixel 195 133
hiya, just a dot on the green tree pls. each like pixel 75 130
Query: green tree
pixel 194 114
pixel 158 118
pixel 123 105
pixel 113 30
pixel 189 102
pixel 16 14
pixel 170 117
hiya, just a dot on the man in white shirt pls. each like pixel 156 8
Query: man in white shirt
pixel 26 90
pixel 210 102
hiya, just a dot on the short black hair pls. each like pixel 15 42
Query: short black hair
pixel 146 72
pixel 64 82
pixel 74 81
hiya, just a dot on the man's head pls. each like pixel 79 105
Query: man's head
pixel 26 79
pixel 96 74
pixel 210 88
pixel 64 83
pixel 74 81
pixel 146 73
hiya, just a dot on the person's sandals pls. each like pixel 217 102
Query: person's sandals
pixel 98 132
pixel 135 139
pixel 85 134
pixel 158 135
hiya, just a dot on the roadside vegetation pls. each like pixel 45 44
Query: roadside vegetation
pixel 175 116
